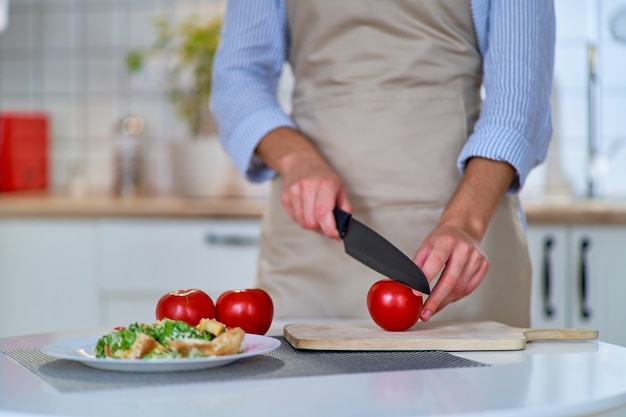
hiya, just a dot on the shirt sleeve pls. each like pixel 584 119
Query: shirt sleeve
pixel 246 72
pixel 518 58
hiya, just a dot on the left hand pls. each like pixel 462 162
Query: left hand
pixel 462 263
pixel 453 247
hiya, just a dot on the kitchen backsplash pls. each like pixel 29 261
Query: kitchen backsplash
pixel 583 25
pixel 67 57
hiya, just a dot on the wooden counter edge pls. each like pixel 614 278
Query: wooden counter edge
pixel 39 205
pixel 42 204
pixel 576 212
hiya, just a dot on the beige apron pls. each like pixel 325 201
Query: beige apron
pixel 388 91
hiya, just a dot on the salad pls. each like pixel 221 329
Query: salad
pixel 170 339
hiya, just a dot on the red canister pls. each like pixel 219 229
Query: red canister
pixel 24 151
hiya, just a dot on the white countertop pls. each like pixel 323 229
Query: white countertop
pixel 546 379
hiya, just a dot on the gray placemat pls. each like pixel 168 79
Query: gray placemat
pixel 284 362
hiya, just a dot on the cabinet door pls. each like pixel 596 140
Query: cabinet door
pixel 143 259
pixel 47 275
pixel 548 246
pixel 598 284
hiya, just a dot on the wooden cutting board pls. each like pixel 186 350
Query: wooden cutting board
pixel 448 336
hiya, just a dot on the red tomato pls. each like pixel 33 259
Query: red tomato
pixel 251 309
pixel 393 306
pixel 188 305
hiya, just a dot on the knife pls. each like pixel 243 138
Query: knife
pixel 373 250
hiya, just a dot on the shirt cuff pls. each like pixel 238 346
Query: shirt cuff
pixel 246 137
pixel 511 147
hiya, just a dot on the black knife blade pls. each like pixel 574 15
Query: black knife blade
pixel 368 247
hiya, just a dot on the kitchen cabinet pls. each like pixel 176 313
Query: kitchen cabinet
pixel 63 274
pixel 48 275
pixel 578 278
pixel 143 259
pixel 548 246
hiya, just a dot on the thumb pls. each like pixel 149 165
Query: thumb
pixel 343 202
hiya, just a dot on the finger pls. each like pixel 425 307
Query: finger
pixel 471 277
pixel 473 273
pixel 421 255
pixel 286 201
pixel 478 275
pixel 324 212
pixel 309 195
pixel 343 202
pixel 295 199
pixel 328 225
pixel 438 256
pixel 460 291
pixel 449 284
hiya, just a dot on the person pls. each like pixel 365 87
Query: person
pixel 421 118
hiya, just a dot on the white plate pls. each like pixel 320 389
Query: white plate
pixel 82 350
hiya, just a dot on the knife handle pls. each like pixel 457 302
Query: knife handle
pixel 342 219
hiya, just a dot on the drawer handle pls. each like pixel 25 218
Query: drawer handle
pixel 548 309
pixel 216 239
pixel 583 282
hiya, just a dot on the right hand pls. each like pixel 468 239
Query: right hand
pixel 311 188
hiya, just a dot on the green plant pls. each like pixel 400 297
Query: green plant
pixel 188 49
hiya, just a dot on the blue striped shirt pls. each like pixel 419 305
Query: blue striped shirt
pixel 516 42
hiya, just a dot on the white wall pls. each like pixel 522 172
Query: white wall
pixel 612 61
pixel 580 24
pixel 66 56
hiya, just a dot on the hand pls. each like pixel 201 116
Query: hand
pixel 311 188
pixel 452 248
pixel 310 191
pixel 462 264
